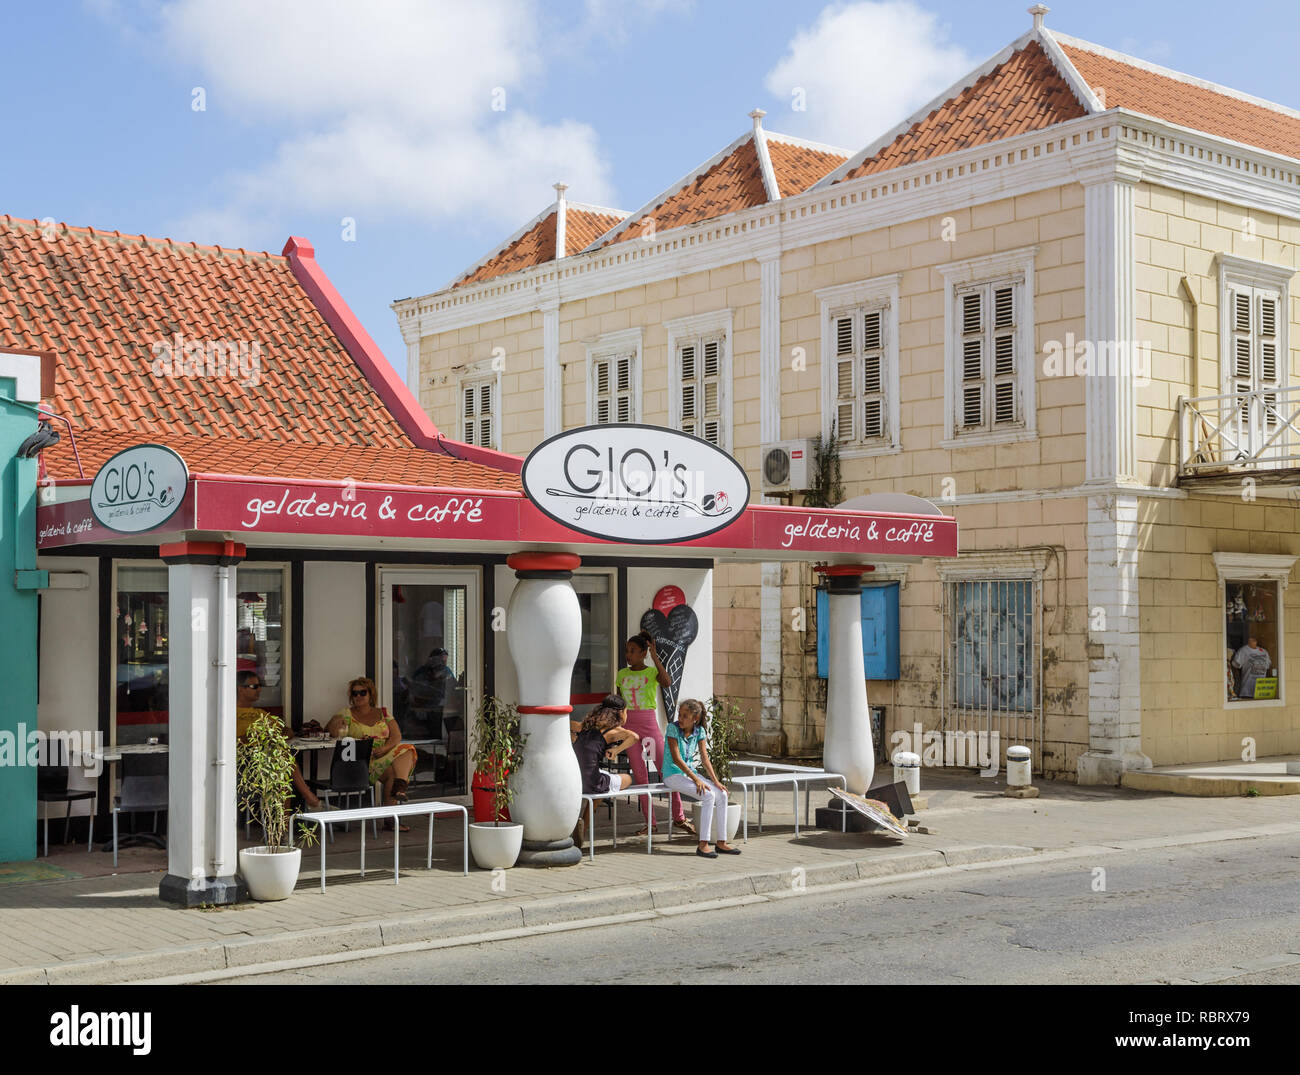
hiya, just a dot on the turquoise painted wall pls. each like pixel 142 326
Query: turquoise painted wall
pixel 17 628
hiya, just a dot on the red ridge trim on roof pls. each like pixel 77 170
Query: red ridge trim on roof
pixel 365 352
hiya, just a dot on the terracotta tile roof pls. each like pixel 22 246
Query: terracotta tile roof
pixel 798 167
pixel 1177 100
pixel 733 183
pixel 1023 93
pixel 584 226
pixel 107 304
pixel 535 247
pixel 271 458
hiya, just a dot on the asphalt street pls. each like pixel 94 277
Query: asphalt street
pixel 1226 912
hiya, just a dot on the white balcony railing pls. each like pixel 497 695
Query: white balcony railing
pixel 1241 431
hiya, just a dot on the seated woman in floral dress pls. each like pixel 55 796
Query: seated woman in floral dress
pixel 391 760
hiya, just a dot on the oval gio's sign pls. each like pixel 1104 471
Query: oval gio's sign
pixel 138 489
pixel 638 484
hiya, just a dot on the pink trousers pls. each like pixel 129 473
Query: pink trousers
pixel 645 724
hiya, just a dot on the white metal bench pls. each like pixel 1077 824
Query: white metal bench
pixel 646 791
pixel 396 811
pixel 784 775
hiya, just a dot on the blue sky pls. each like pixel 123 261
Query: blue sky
pixel 381 111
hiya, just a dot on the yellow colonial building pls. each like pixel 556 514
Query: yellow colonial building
pixel 1056 301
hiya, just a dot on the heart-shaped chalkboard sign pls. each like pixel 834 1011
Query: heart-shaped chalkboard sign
pixel 673 634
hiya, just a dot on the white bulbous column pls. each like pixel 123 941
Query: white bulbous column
pixel 544 634
pixel 848 747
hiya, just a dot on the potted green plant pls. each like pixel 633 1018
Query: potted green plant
pixel 498 751
pixel 726 734
pixel 264 784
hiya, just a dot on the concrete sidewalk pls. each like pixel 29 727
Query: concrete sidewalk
pixel 113 928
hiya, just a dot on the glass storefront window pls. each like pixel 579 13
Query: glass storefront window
pixel 1251 625
pixel 259 632
pixel 141 644
pixel 593 671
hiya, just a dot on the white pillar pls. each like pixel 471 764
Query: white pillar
pixel 201 828
pixel 544 633
pixel 771 739
pixel 848 747
pixel 552 372
pixel 1110 322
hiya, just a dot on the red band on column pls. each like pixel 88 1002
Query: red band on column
pixel 202 552
pixel 545 710
pixel 844 569
pixel 544 561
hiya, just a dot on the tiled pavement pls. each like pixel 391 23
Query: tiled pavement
pixel 113 928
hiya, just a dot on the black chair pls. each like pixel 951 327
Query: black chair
pixel 52 787
pixel 143 789
pixel 350 776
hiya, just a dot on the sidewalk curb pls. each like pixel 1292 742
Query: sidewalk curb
pixel 494 921
pixel 194 961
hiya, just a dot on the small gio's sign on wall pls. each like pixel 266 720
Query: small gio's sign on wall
pixel 635 483
pixel 138 489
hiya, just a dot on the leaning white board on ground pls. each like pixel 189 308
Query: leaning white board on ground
pixel 872 809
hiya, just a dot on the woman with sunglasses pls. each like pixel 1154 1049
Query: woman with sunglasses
pixel 391 760
pixel 248 685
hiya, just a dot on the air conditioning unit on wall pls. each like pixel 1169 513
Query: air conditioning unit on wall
pixel 787 466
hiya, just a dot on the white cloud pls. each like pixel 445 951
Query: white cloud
pixel 387 107
pixel 863 68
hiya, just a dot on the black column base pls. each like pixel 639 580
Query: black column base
pixel 550 853
pixel 210 892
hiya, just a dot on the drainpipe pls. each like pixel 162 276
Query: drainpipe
pixel 225 733
pixel 1195 379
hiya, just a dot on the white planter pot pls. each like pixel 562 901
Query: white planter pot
pixel 271 873
pixel 495 847
pixel 733 821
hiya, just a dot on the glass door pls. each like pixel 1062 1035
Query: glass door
pixel 431 667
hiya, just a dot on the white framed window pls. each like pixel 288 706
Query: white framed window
pixel 480 410
pixel 1251 591
pixel 989 387
pixel 1254 324
pixel 860 393
pixel 614 378
pixel 699 383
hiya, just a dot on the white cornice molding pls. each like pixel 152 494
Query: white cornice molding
pixel 1169 155
pixel 1255 273
pixel 1248 566
pixel 995 563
